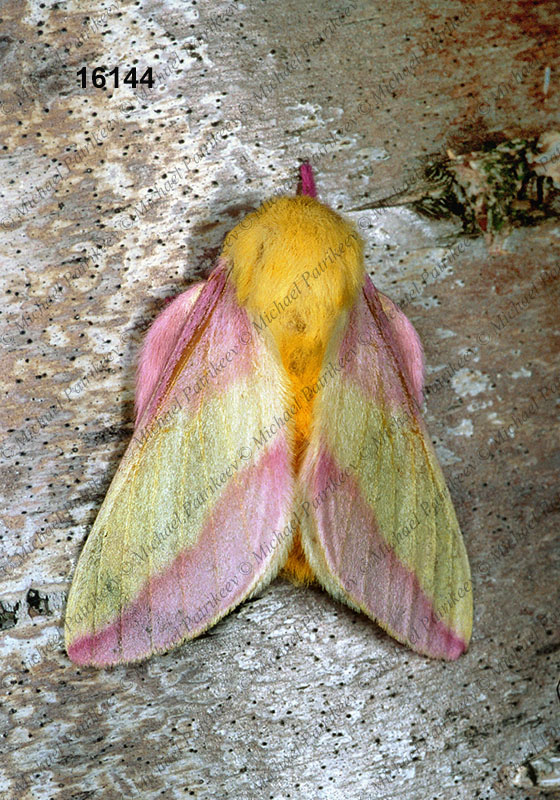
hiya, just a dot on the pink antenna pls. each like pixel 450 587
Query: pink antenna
pixel 307 182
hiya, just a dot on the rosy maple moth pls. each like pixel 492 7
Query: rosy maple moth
pixel 277 431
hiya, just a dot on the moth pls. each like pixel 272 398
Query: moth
pixel 278 431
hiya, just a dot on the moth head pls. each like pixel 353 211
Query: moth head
pixel 295 239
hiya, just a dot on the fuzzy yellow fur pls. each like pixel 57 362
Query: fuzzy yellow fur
pixel 297 265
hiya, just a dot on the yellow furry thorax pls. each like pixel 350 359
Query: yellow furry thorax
pixel 297 267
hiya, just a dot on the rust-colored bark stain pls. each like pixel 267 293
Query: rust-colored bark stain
pixel 292 695
pixel 532 18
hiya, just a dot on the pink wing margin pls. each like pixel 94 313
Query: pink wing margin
pixel 380 355
pixel 236 549
pixel 406 342
pixel 160 343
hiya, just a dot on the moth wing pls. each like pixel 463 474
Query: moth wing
pixel 159 343
pixel 408 344
pixel 189 526
pixel 380 530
